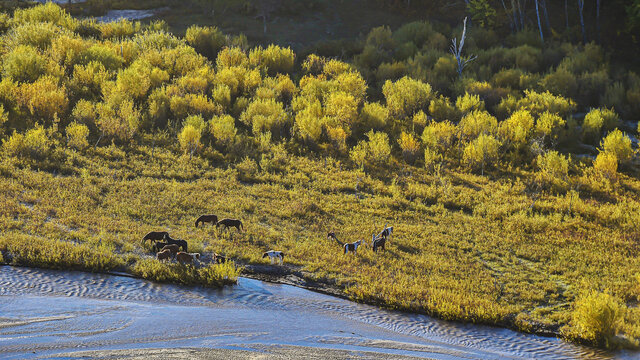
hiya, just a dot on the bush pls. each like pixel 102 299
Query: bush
pixel 230 57
pixel 118 119
pixel 481 152
pixel 43 98
pixel 265 115
pixel 77 135
pixel 374 116
pixel 554 167
pixel 207 40
pixel 409 146
pixel 223 129
pixel 549 126
pixel 441 108
pixel 406 96
pixel 482 13
pixel 477 123
pixel 597 121
pixel 619 145
pixel 468 103
pixel 341 110
pixel 309 121
pixel 49 13
pixel 189 139
pixel 606 164
pixel 439 136
pixel 274 59
pixel 375 152
pixel 597 318
pixel 23 63
pixel 560 82
pixel 517 128
pixel 537 104
pixel 104 55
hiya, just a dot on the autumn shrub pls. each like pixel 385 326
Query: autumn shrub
pixel 375 151
pixel 549 126
pixel 439 136
pixel 468 103
pixel 374 116
pixel 598 121
pixel 597 318
pixel 477 123
pixel 517 128
pixel 45 13
pixel 265 115
pixel 606 164
pixel 406 96
pixel 481 152
pixel 221 94
pixel 441 108
pixel 274 59
pixel 341 110
pixel 23 63
pixel 619 145
pixel 230 57
pixel 43 98
pixel 207 40
pixel 410 147
pixel 77 135
pixel 223 129
pixel 560 82
pixel 554 168
pixel 309 121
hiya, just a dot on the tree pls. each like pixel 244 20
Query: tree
pixel 456 50
pixel 539 23
pixel 581 13
pixel 481 152
pixel 618 144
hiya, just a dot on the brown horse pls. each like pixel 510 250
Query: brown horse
pixel 230 223
pixel 155 235
pixel 164 255
pixel 173 248
pixel 207 219
pixel 353 247
pixel 187 258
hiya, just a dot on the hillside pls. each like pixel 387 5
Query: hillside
pixel 512 184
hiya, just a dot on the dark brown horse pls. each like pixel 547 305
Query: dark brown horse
pixel 181 243
pixel 173 248
pixel 353 247
pixel 230 223
pixel 219 259
pixel 155 236
pixel 159 245
pixel 378 243
pixel 164 255
pixel 207 219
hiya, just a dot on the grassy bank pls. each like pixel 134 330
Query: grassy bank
pixel 466 247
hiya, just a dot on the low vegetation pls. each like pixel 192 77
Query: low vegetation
pixel 509 206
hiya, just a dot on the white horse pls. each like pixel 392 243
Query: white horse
pixel 274 256
pixel 352 246
pixel 386 232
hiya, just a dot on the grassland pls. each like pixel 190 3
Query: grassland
pixel 465 247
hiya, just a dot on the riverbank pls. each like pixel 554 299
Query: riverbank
pixel 53 313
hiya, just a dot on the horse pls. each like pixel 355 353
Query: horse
pixel 230 223
pixel 378 243
pixel 181 243
pixel 158 246
pixel 173 248
pixel 187 258
pixel 274 255
pixel 332 235
pixel 219 259
pixel 352 246
pixel 164 255
pixel 207 219
pixel 155 235
pixel 386 232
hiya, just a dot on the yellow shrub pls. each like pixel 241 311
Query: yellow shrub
pixel 409 146
pixel 23 63
pixel 231 56
pixel 439 136
pixel 406 96
pixel 44 98
pixel 481 152
pixel 207 40
pixel 274 59
pixel 618 144
pixel 469 103
pixel 549 125
pixel 189 138
pixel 477 123
pixel 264 115
pixel 77 135
pixel 223 128
pixel 606 164
pixel 554 167
pixel 309 121
pixel 517 128
pixel 597 318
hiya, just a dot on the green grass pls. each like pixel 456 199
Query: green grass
pixel 465 247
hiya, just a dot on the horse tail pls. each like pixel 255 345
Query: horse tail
pixel 197 221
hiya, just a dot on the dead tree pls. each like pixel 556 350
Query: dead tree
pixel 581 10
pixel 539 23
pixel 456 50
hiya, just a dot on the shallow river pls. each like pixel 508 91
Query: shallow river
pixel 46 312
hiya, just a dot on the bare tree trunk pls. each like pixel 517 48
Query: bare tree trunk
pixel 598 21
pixel 508 16
pixel 539 23
pixel 581 10
pixel 566 13
pixel 546 16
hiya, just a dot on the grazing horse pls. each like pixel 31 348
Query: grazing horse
pixel 187 258
pixel 332 235
pixel 173 248
pixel 158 246
pixel 352 246
pixel 155 235
pixel 207 219
pixel 219 259
pixel 378 243
pixel 386 232
pixel 230 223
pixel 274 255
pixel 181 243
pixel 164 255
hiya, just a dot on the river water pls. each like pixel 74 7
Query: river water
pixel 47 312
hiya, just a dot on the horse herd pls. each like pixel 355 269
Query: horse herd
pixel 377 241
pixel 167 248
